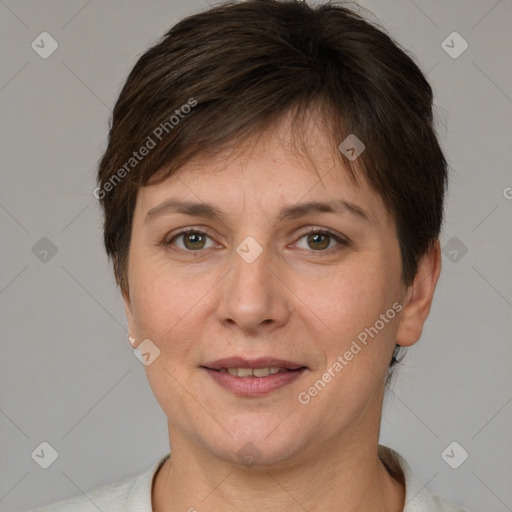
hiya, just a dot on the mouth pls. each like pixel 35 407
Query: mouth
pixel 259 367
pixel 255 372
pixel 246 377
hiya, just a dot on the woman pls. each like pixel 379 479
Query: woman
pixel 273 194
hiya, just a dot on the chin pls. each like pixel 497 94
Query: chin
pixel 254 453
pixel 262 441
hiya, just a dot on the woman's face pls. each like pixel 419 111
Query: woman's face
pixel 252 283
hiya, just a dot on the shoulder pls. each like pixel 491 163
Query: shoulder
pixel 417 497
pixel 132 493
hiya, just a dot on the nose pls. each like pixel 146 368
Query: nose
pixel 254 296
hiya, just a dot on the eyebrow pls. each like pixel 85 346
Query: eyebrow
pixel 206 210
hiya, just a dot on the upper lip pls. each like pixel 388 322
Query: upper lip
pixel 260 362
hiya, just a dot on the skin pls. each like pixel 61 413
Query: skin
pixel 296 302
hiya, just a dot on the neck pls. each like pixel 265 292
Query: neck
pixel 340 475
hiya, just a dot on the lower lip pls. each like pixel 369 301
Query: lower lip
pixel 254 386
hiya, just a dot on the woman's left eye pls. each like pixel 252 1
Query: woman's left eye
pixel 320 240
pixel 193 240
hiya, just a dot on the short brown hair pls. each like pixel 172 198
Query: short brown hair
pixel 239 67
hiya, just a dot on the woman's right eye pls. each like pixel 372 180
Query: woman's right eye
pixel 192 240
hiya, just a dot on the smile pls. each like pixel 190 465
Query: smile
pixel 254 372
pixel 254 382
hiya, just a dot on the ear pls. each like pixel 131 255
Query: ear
pixel 419 297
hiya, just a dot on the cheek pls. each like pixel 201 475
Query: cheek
pixel 343 300
pixel 154 307
pixel 350 330
pixel 167 308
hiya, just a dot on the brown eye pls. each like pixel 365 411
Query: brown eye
pixel 192 240
pixel 321 240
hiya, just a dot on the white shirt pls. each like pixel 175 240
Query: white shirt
pixel 133 494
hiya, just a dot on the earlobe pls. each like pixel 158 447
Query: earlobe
pixel 418 300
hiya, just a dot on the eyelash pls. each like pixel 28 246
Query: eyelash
pixel 342 242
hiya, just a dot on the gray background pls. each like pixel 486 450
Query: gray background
pixel 67 373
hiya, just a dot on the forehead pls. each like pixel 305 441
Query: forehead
pixel 283 162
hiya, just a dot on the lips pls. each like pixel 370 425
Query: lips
pixel 254 377
pixel 261 362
